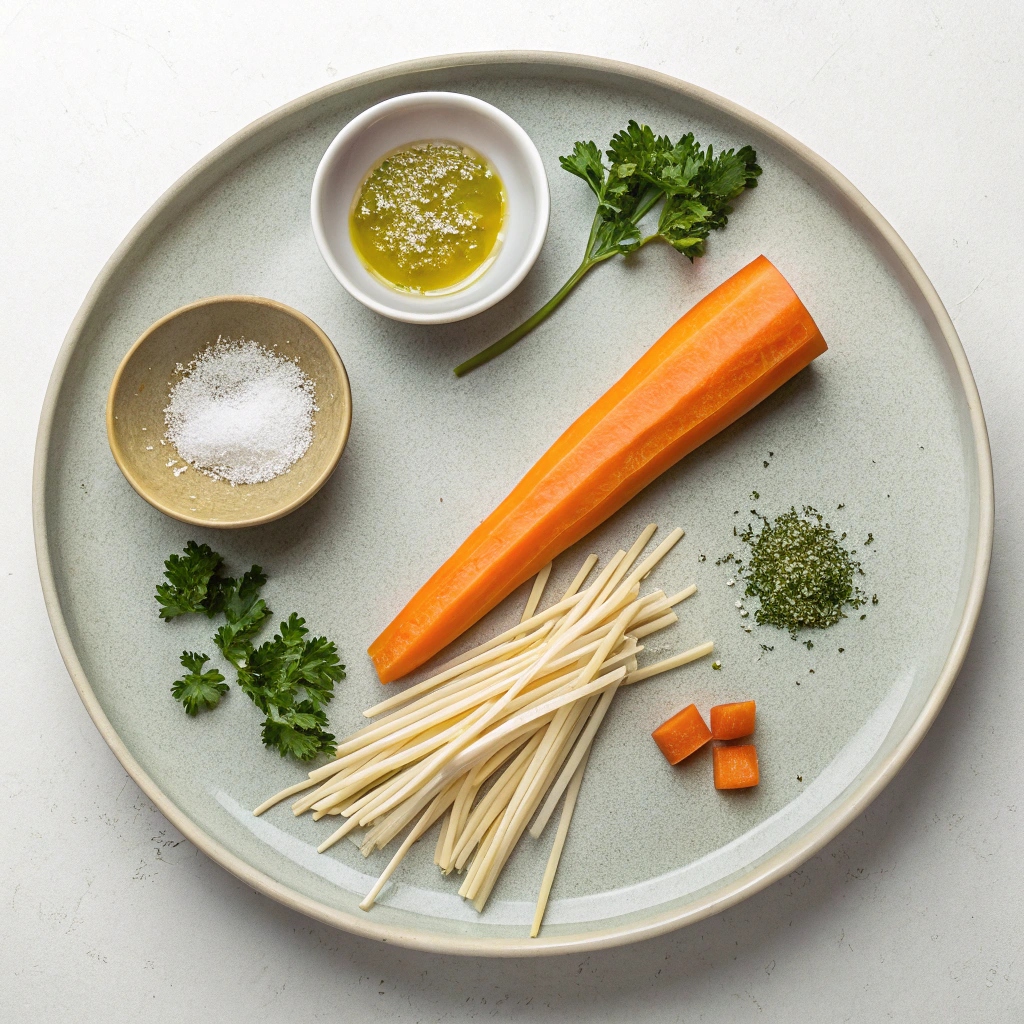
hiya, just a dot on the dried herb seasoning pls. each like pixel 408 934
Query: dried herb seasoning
pixel 799 571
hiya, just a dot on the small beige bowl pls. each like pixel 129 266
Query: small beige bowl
pixel 139 394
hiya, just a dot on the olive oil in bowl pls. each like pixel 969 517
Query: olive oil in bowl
pixel 429 218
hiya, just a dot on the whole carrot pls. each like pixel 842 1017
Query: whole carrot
pixel 734 348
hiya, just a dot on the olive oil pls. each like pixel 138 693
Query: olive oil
pixel 429 218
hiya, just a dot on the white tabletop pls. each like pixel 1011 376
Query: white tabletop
pixel 107 914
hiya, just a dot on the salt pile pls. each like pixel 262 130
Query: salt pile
pixel 241 413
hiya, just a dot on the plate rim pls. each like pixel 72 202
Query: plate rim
pixel 770 870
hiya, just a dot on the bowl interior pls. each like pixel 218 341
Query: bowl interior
pixel 139 395
pixel 433 116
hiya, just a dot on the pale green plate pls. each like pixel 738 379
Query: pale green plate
pixel 887 424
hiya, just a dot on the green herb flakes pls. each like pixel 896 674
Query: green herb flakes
pixel 800 572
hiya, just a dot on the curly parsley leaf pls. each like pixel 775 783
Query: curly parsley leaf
pixel 290 679
pixel 192 582
pixel 245 612
pixel 696 189
pixel 586 163
pixel 298 732
pixel 637 156
pixel 198 689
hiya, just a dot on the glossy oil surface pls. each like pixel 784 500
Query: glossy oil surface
pixel 429 217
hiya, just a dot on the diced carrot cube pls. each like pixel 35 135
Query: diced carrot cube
pixel 731 721
pixel 682 734
pixel 736 767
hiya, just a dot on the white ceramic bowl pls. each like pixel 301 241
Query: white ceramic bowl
pixel 431 116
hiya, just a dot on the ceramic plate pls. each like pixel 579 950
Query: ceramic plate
pixel 884 434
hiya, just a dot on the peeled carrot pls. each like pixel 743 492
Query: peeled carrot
pixel 731 721
pixel 736 767
pixel 734 348
pixel 682 734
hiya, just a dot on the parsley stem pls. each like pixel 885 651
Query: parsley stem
pixel 645 205
pixel 503 344
pixel 590 260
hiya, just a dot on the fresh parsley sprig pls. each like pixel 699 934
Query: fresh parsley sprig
pixel 198 689
pixel 290 679
pixel 192 582
pixel 695 186
pixel 245 611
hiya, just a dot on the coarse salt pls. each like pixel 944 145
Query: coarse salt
pixel 241 413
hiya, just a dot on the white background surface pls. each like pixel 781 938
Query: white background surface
pixel 912 914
